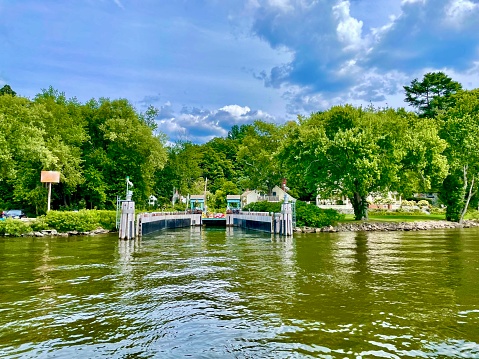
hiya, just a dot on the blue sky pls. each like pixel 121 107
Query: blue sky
pixel 211 64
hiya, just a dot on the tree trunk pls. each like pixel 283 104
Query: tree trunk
pixel 360 206
pixel 468 199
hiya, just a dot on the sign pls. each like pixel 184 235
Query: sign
pixel 50 177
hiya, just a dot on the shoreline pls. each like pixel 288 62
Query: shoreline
pixel 362 226
pixel 372 226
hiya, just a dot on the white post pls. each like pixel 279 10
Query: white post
pixel 287 218
pixel 127 220
pixel 49 195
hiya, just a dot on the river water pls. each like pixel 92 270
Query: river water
pixel 241 294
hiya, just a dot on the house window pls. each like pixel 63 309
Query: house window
pixel 274 193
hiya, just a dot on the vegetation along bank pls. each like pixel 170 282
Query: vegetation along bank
pixel 341 152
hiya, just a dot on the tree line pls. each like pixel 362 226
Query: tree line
pixel 346 150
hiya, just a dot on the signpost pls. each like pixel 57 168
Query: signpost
pixel 49 177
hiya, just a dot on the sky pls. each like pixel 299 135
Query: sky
pixel 210 64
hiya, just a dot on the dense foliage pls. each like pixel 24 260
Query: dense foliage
pixel 263 206
pixel 82 221
pixel 354 151
pixel 310 215
pixel 307 215
pixel 345 151
pixel 62 221
pixel 94 146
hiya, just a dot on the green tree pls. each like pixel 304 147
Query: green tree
pixel 7 90
pixel 259 168
pixel 432 94
pixel 64 135
pixel 354 152
pixel 24 153
pixel 119 144
pixel 461 131
pixel 181 172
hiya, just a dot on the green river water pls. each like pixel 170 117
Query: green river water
pixel 193 293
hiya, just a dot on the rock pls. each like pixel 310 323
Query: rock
pixel 38 234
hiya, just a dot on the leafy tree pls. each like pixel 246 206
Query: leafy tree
pixel 182 170
pixel 432 94
pixel 461 131
pixel 239 132
pixel 65 134
pixel 149 117
pixel 7 90
pixel 23 153
pixel 256 156
pixel 224 188
pixel 354 152
pixel 215 166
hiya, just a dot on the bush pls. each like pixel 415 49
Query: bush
pixel 398 212
pixel 417 199
pixel 308 215
pixel 81 221
pixel 14 227
pixel 38 224
pixel 312 216
pixel 406 203
pixel 106 219
pixel 437 210
pixel 263 206
pixel 472 214
pixel 423 203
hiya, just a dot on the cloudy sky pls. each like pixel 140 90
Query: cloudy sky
pixel 210 64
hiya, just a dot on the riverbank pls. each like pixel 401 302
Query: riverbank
pixel 54 232
pixel 370 226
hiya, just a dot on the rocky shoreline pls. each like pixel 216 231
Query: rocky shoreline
pixel 54 232
pixel 388 226
pixel 364 226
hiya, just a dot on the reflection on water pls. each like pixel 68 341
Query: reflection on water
pixel 237 294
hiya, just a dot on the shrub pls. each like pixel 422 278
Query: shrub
pixel 306 214
pixel 423 203
pixel 378 213
pixel 38 224
pixel 14 227
pixel 472 214
pixel 437 210
pixel 312 216
pixel 105 219
pixel 82 221
pixel 263 206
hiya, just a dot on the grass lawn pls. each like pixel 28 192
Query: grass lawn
pixel 397 218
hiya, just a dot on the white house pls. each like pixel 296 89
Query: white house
pixel 277 195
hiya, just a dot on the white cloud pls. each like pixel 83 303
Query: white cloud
pixel 201 125
pixel 236 110
pixel 457 11
pixel 349 29
pixel 284 5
